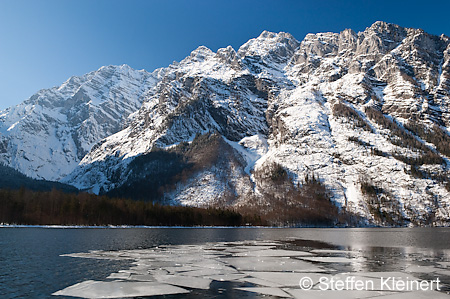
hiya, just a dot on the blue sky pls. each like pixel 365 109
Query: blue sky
pixel 43 43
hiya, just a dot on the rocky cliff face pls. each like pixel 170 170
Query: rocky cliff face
pixel 367 112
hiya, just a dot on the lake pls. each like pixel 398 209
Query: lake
pixel 235 261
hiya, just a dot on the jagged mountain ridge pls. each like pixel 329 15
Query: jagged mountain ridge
pixel 46 136
pixel 307 106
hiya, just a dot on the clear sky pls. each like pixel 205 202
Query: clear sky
pixel 43 43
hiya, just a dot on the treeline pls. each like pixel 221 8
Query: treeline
pixel 402 137
pixel 12 179
pixel 25 207
pixel 405 139
pixel 283 203
pixel 342 110
pixel 384 208
pixel 436 135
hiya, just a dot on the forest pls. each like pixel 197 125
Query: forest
pixel 26 207
pixel 297 207
pixel 282 204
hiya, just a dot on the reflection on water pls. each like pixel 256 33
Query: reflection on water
pixel 32 266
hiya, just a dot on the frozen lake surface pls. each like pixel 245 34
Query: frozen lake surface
pixel 224 263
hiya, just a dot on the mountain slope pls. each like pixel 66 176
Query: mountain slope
pixel 367 113
pixel 205 92
pixel 47 135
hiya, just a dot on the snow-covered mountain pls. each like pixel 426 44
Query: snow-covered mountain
pixel 47 135
pixel 367 113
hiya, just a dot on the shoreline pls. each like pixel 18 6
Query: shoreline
pixel 187 227
pixel 145 226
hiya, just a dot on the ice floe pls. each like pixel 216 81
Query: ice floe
pixel 329 294
pixel 332 251
pixel 330 259
pixel 267 291
pixel 271 264
pixel 118 289
pixel 283 279
pixel 262 268
pixel 185 281
pixel 417 295
pixel 273 252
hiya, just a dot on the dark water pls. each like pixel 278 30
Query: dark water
pixel 31 265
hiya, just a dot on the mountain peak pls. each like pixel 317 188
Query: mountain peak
pixel 385 28
pixel 200 54
pixel 228 55
pixel 278 47
pixel 202 51
pixel 123 68
pixel 273 35
pixel 378 24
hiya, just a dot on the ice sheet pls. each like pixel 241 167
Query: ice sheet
pixel 205 272
pixel 181 269
pixel 252 248
pixel 274 252
pixel 139 277
pixel 331 251
pixel 117 289
pixel 226 277
pixel 262 264
pixel 261 282
pixel 421 269
pixel 319 294
pixel 286 279
pixel 443 272
pixel 267 291
pixel 399 275
pixel 326 259
pixel 417 295
pixel 444 264
pixel 120 275
pixel 272 271
pixel 185 281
